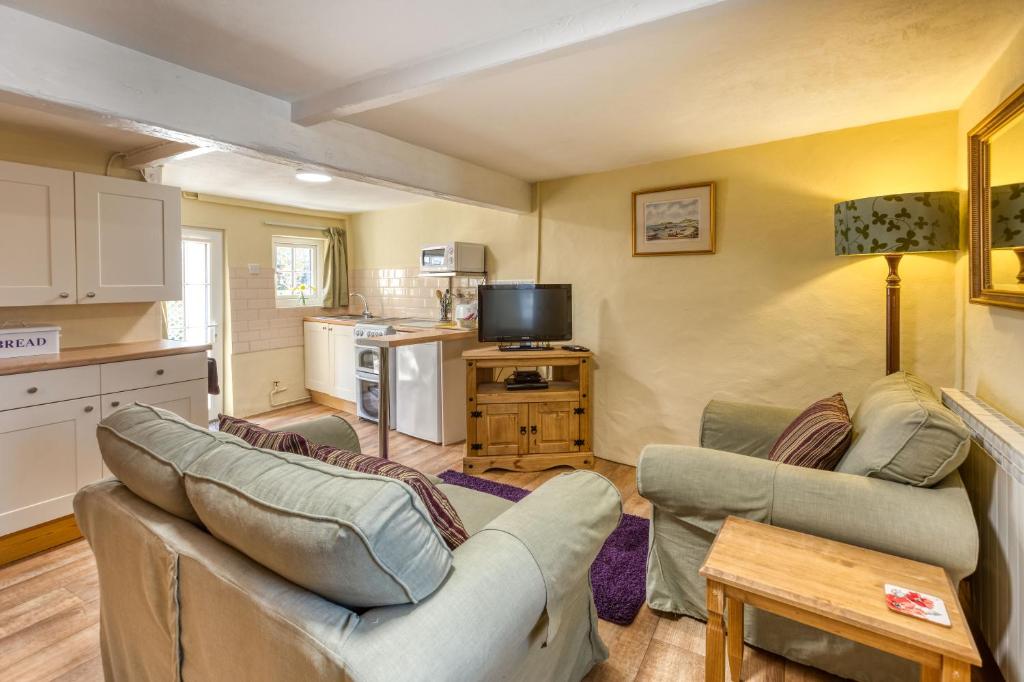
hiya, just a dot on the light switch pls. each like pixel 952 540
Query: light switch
pixel 254 268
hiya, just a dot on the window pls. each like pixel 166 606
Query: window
pixel 297 264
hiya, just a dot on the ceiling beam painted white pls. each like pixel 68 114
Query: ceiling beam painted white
pixel 572 32
pixel 47 65
pixel 162 153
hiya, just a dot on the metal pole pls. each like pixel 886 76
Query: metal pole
pixel 384 410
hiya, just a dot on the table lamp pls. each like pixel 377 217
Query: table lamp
pixel 1008 221
pixel 893 225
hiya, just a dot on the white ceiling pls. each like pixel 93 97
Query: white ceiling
pixel 737 73
pixel 242 177
pixel 730 74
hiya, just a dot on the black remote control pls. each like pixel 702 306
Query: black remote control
pixel 575 348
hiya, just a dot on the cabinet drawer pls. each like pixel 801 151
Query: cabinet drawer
pixel 38 388
pixel 170 369
pixel 186 399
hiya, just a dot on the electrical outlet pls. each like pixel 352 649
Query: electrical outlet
pixel 254 268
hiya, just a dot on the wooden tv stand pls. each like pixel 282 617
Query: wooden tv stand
pixel 527 430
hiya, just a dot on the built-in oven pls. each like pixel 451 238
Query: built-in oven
pixel 367 367
pixel 368 397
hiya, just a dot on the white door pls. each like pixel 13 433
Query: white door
pixel 47 452
pixel 199 316
pixel 37 231
pixel 318 357
pixel 129 240
pixel 343 348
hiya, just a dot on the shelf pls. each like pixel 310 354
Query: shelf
pixel 556 391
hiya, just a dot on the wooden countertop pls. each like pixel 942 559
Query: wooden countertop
pixel 409 336
pixel 94 355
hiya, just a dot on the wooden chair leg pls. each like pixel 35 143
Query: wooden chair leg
pixel 714 653
pixel 734 609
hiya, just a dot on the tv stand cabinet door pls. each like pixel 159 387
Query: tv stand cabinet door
pixel 554 428
pixel 503 430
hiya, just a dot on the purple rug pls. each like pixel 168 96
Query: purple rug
pixel 617 575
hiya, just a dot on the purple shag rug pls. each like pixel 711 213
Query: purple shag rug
pixel 617 575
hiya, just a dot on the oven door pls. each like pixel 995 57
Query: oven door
pixel 368 397
pixel 367 359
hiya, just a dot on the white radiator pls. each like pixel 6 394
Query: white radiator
pixel 994 476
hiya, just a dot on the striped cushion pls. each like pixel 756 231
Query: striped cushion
pixel 441 511
pixel 818 438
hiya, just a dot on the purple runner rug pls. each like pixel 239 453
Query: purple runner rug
pixel 617 575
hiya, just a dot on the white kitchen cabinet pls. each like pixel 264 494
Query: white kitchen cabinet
pixel 318 357
pixel 343 361
pixel 47 452
pixel 187 399
pixel 37 231
pixel 128 240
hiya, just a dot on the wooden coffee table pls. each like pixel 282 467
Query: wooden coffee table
pixel 834 587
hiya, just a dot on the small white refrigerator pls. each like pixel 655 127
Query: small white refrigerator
pixel 430 396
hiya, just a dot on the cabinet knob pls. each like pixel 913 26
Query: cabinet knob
pixel 33 389
pixel 90 294
pixel 88 408
pixel 159 372
pixel 115 403
pixel 65 294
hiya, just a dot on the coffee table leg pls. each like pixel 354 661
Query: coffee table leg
pixel 734 609
pixel 714 652
pixel 955 671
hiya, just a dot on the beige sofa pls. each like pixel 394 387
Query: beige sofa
pixel 896 490
pixel 219 561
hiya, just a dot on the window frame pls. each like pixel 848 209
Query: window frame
pixel 290 241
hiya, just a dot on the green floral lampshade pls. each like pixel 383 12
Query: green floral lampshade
pixel 1008 216
pixel 898 223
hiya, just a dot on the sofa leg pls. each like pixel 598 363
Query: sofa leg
pixel 714 652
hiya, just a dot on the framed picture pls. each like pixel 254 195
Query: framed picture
pixel 674 220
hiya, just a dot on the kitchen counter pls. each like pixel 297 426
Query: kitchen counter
pixel 407 336
pixel 92 355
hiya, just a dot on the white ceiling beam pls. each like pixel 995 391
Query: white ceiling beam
pixel 47 65
pixel 567 33
pixel 162 153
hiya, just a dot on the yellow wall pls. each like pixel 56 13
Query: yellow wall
pixel 774 316
pixel 247 239
pixel 993 337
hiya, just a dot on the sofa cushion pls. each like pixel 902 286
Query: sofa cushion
pixel 148 449
pixel 441 511
pixel 902 433
pixel 357 539
pixel 818 438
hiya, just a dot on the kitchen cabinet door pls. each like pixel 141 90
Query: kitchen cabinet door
pixel 343 348
pixel 37 231
pixel 319 375
pixel 187 399
pixel 47 452
pixel 502 429
pixel 554 427
pixel 129 240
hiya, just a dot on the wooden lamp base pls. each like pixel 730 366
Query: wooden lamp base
pixel 892 313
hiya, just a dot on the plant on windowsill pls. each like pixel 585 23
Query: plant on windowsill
pixel 303 292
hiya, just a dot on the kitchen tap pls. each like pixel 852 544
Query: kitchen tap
pixel 367 315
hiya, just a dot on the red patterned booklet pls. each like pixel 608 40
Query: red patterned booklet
pixel 916 604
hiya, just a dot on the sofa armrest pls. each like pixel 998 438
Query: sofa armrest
pixel 700 487
pixel 745 428
pixel 511 585
pixel 332 430
pixel 934 525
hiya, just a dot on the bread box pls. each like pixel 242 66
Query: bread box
pixel 21 340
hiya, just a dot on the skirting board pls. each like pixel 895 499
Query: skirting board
pixel 330 401
pixel 29 541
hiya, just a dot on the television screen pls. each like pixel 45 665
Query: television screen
pixel 525 312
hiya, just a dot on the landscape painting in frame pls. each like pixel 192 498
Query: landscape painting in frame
pixel 674 220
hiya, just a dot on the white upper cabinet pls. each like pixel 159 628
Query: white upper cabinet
pixel 129 240
pixel 37 234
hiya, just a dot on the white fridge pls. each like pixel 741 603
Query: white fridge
pixel 430 391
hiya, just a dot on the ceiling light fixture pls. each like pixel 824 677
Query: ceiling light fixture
pixel 311 176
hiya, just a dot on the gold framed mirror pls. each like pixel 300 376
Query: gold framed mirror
pixel 995 157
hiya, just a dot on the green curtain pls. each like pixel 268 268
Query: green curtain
pixel 335 269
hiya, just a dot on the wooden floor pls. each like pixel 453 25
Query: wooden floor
pixel 49 608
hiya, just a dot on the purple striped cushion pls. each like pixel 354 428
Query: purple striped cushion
pixel 818 438
pixel 440 508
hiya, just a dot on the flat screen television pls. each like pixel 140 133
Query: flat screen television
pixel 517 313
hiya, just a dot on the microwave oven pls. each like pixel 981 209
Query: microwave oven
pixel 452 257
